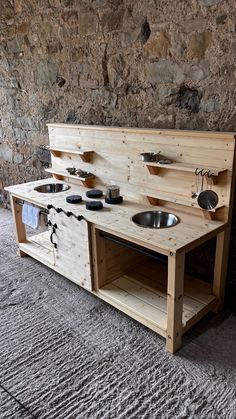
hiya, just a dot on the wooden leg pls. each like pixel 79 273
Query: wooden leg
pixel 99 260
pixel 175 301
pixel 19 226
pixel 220 269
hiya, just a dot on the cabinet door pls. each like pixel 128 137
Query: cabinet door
pixel 72 255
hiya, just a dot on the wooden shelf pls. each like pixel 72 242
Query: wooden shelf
pixel 163 196
pixel 60 174
pixel 84 154
pixel 142 295
pixel 184 167
pixel 39 247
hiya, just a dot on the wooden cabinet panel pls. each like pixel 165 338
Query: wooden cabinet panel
pixel 72 254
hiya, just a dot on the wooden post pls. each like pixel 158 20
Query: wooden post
pixel 19 226
pixel 99 259
pixel 220 268
pixel 175 293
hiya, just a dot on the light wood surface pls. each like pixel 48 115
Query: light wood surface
pixel 85 155
pixel 161 297
pixel 19 226
pixel 175 292
pixel 116 159
pixel 118 219
pixel 72 255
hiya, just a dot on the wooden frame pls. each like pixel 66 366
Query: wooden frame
pixel 170 302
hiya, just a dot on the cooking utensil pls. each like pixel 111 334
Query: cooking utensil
pixel 83 174
pixel 113 191
pixel 207 199
pixel 149 156
pixel 71 170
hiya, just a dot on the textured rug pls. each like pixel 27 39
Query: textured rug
pixel 66 354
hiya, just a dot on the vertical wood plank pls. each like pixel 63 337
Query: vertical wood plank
pixel 220 268
pixel 19 226
pixel 175 292
pixel 99 259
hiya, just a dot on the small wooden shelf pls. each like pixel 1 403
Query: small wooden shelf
pixel 61 174
pixel 142 295
pixel 163 196
pixel 184 167
pixel 84 154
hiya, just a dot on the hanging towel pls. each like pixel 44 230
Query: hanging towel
pixel 30 215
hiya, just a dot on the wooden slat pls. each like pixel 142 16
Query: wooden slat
pixel 138 306
pixel 20 231
pixel 175 292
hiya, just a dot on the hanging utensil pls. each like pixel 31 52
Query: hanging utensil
pixel 207 199
pixel 197 173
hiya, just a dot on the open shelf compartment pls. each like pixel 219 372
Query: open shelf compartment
pixel 143 292
pixel 137 285
pixel 39 247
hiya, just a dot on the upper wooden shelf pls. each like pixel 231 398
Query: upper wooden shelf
pixel 154 167
pixel 61 174
pixel 84 154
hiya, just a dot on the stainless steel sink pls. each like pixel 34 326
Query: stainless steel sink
pixel 155 219
pixel 52 188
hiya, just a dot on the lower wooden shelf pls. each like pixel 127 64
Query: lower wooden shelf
pixel 142 295
pixel 39 247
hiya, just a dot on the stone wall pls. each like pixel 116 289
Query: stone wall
pixel 146 63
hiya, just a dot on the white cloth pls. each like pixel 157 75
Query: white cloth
pixel 30 215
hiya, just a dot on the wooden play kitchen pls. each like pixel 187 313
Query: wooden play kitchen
pixel 115 253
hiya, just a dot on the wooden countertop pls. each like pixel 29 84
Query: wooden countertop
pixel 116 219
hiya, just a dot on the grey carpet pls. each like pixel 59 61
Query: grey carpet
pixel 66 354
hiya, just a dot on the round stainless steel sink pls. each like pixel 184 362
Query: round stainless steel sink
pixel 155 219
pixel 52 188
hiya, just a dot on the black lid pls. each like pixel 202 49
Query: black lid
pixel 94 193
pixel 94 205
pixel 74 199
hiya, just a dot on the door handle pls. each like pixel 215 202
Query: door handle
pixel 51 237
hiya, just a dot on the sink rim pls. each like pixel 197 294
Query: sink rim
pixel 177 219
pixel 65 188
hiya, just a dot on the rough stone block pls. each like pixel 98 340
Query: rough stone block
pixel 112 20
pixel 47 72
pixel 14 46
pixel 5 152
pixel 210 105
pixel 88 23
pixel 167 95
pixel 104 98
pixel 158 46
pixel 198 44
pixel 17 158
pixel 115 69
pixel 210 2
pixel 27 123
pixel 166 71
